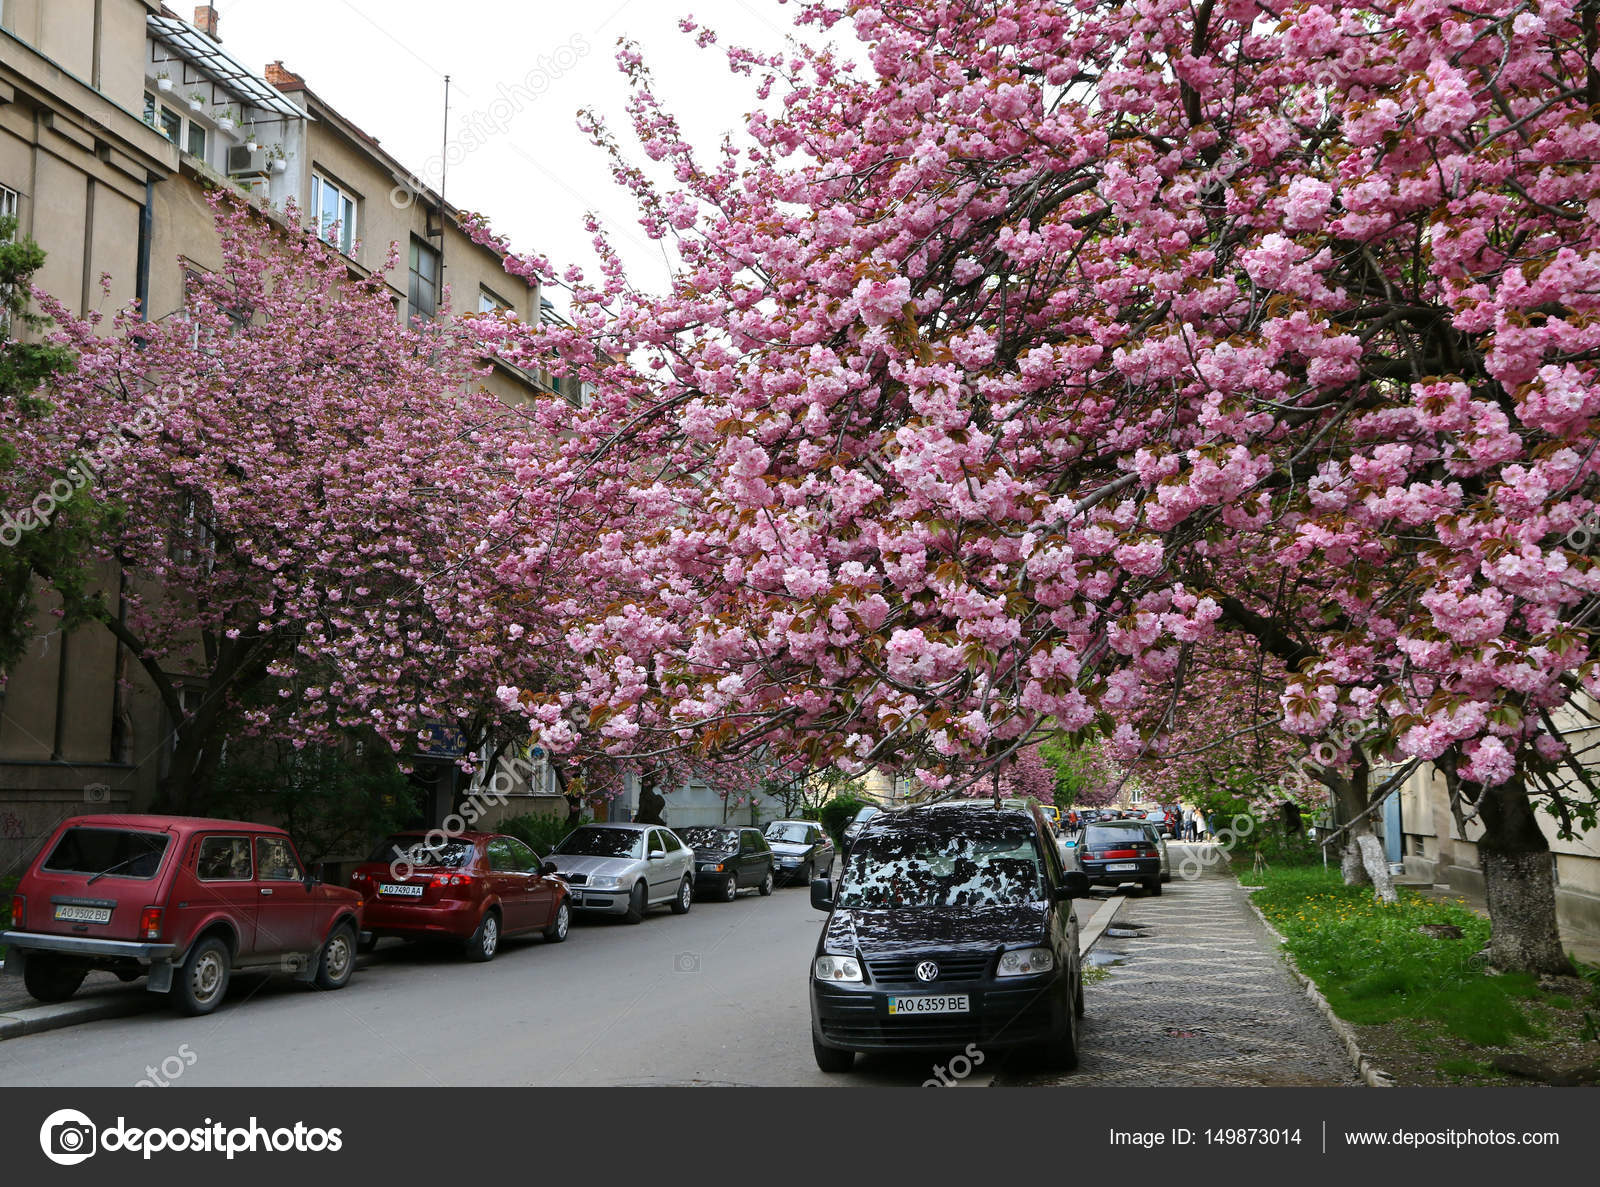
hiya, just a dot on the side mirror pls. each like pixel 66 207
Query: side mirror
pixel 547 869
pixel 314 874
pixel 657 854
pixel 1074 885
pixel 822 894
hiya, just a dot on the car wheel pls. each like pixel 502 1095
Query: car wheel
pixel 1152 885
pixel 1078 1005
pixel 730 889
pixel 636 904
pixel 831 1060
pixel 1166 876
pixel 51 979
pixel 1062 1051
pixel 803 874
pixel 766 883
pixel 557 931
pixel 337 963
pixel 485 942
pixel 685 899
pixel 203 980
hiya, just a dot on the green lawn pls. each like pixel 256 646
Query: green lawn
pixel 1375 967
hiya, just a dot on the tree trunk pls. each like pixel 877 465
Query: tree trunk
pixel 1519 882
pixel 651 802
pixel 1362 859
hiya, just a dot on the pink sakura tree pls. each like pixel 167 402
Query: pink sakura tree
pixel 294 493
pixel 1063 340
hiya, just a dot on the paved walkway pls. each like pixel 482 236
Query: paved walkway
pixel 1198 997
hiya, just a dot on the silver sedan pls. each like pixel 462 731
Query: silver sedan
pixel 624 869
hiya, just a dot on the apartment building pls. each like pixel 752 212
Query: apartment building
pixel 117 119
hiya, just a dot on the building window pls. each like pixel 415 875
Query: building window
pixel 8 207
pixel 163 119
pixel 197 140
pixel 489 303
pixel 424 292
pixel 334 208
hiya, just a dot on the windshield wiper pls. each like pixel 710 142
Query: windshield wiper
pixel 93 878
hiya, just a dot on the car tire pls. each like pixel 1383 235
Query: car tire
pixel 637 900
pixel 50 979
pixel 1079 1007
pixel 485 941
pixel 830 1059
pixel 336 964
pixel 729 889
pixel 803 874
pixel 1152 885
pixel 1166 877
pixel 560 925
pixel 685 899
pixel 766 883
pixel 202 982
pixel 1062 1051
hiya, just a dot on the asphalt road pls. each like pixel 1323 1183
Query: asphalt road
pixel 717 996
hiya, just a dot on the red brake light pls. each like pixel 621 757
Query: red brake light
pixel 150 924
pixel 450 880
pixel 19 911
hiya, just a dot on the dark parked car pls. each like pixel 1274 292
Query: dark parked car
pixel 181 901
pixel 803 849
pixel 472 889
pixel 1112 852
pixel 951 924
pixel 728 860
pixel 859 822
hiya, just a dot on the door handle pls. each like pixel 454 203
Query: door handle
pixel 266 890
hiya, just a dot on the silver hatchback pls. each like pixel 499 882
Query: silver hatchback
pixel 624 869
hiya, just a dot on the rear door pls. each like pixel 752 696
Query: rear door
pixel 539 892
pixel 508 883
pixel 288 912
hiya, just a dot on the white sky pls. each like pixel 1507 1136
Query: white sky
pixel 382 64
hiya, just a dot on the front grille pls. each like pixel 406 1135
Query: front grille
pixel 902 970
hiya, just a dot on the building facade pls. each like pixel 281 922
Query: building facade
pixel 117 119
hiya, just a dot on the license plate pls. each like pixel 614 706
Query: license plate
pixel 955 1003
pixel 1122 867
pixel 401 889
pixel 72 914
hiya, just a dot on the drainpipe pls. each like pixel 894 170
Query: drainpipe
pixel 146 225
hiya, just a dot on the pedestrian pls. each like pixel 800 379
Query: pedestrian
pixel 1188 823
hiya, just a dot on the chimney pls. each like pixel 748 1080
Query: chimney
pixel 283 78
pixel 205 19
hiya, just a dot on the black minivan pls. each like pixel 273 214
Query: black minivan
pixel 951 924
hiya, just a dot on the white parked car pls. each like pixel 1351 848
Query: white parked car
pixel 624 869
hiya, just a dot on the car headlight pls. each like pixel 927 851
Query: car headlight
pixel 1026 962
pixel 838 968
pixel 603 882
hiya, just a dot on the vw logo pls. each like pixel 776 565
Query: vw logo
pixel 927 971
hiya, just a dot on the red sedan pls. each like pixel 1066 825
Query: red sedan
pixel 473 888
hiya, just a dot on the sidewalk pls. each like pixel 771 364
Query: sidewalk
pixel 1198 997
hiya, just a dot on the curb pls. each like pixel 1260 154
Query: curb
pixel 43 1018
pixel 1369 1071
pixel 1099 922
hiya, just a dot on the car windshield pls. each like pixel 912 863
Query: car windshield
pixel 603 842
pixel 709 837
pixel 788 831
pixel 112 851
pixel 419 850
pixel 1115 834
pixel 988 864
